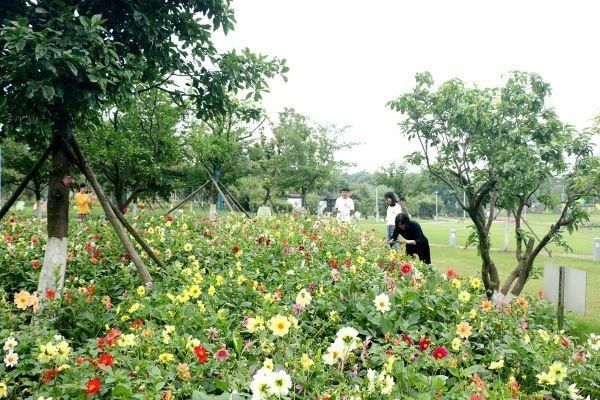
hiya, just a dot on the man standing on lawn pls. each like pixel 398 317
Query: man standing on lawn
pixel 83 201
pixel 344 206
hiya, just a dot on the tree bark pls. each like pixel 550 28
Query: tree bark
pixel 52 275
pixel 489 272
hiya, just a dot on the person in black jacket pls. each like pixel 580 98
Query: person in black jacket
pixel 412 235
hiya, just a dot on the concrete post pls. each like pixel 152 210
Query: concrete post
pixel 596 249
pixel 452 242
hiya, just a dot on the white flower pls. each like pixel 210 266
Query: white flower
pixel 371 378
pixel 10 344
pixel 594 342
pixel 347 333
pixel 574 392
pixel 280 383
pixel 11 359
pixel 303 298
pixel 387 383
pixel 382 302
pixel 260 385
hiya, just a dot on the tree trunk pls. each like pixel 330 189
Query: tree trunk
pixel 37 190
pixel 52 275
pixel 489 272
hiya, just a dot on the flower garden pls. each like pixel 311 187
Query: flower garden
pixel 283 307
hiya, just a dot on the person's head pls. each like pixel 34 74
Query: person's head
pixel 402 221
pixel 390 199
pixel 345 192
pixel 83 188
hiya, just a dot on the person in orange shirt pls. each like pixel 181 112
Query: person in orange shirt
pixel 83 201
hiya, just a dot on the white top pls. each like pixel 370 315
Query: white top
pixel 390 217
pixel 344 206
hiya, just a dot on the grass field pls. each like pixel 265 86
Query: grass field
pixel 467 262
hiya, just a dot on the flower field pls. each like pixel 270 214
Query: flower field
pixel 283 307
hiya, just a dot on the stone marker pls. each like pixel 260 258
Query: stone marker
pixel 452 242
pixel 596 249
pixel 574 290
pixel 213 210
pixel 264 211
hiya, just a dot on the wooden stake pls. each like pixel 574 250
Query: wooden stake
pixel 106 205
pixel 218 188
pixel 38 164
pixel 182 202
pixel 137 236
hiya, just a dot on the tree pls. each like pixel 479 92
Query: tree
pixel 136 148
pixel 497 145
pixel 304 153
pixel 18 158
pixel 61 61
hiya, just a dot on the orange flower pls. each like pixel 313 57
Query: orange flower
pixel 486 305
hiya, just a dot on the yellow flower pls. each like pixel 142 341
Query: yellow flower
pixel 165 357
pixel 268 364
pixel 183 297
pixel 473 313
pixel 64 367
pixel 141 291
pixel 238 266
pixel 127 340
pixel 198 278
pixel 475 282
pixel 333 316
pixel 464 296
pixel 134 307
pixel 306 361
pixel 558 371
pixel 279 325
pixel 253 325
pixel 212 290
pixel 22 299
pixel 544 335
pixel 269 297
pixel 546 379
pixel 194 291
pixel 240 279
pixel 187 247
pixel 3 390
pixel 497 364
pixel 192 342
pixel 456 283
pixel 456 343
pixel 463 330
pixel 200 306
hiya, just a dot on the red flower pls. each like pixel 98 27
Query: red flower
pixel 406 269
pixel 35 264
pixel 50 294
pixel 169 218
pixel 136 324
pixel 35 240
pixel 424 344
pixel 300 248
pixel 407 339
pixel 49 374
pixel 106 359
pixel 201 354
pixel 564 341
pixel 475 397
pixel 439 353
pixel 452 274
pixel 235 249
pixel 93 386
pixel 96 236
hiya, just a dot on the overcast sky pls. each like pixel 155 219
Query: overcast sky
pixel 347 58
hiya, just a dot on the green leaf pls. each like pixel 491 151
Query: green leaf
pixel 48 93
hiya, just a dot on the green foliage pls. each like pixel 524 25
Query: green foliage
pixel 222 288
pixel 250 192
pixel 136 148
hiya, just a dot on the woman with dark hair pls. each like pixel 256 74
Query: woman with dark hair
pixel 393 209
pixel 412 235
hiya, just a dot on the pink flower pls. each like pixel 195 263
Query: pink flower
pixel 406 269
pixel 440 353
pixel 222 354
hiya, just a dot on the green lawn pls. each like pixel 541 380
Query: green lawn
pixel 467 262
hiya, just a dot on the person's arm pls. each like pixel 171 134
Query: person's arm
pixel 89 201
pixel 395 235
pixel 337 207
pixel 419 237
pixel 351 207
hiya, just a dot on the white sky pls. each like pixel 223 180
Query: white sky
pixel 347 58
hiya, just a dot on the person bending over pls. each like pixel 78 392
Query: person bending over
pixel 412 235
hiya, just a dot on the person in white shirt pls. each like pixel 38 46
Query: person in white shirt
pixel 394 208
pixel 344 206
